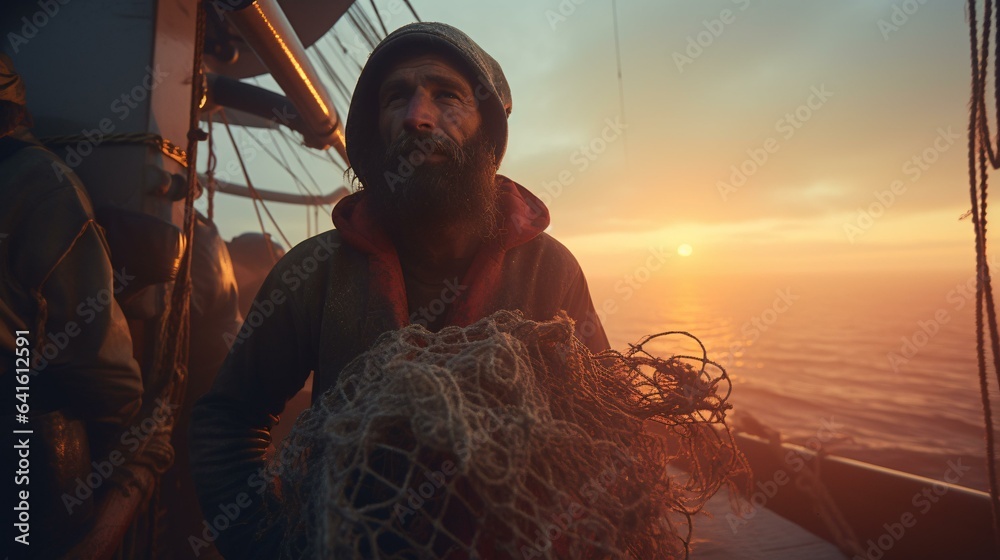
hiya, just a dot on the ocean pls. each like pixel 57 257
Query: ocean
pixel 886 361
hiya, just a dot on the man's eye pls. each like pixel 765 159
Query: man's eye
pixel 392 98
pixel 449 95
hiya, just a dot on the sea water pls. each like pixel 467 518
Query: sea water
pixel 887 361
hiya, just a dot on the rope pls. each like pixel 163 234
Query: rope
pixel 210 172
pixel 984 127
pixel 359 25
pixel 621 83
pixel 295 154
pixel 412 11
pixel 256 195
pixel 283 163
pixel 168 378
pixel 344 50
pixel 166 147
pixel 983 287
pixel 299 183
pixel 338 83
pixel 174 337
pixel 379 16
pixel 810 482
pixel 985 146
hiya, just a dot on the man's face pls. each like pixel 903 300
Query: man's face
pixel 426 94
pixel 438 164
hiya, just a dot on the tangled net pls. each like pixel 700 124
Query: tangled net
pixel 506 439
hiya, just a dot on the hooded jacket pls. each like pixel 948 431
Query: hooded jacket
pixel 54 266
pixel 325 303
pixel 328 299
pixel 56 282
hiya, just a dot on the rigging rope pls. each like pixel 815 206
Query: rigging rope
pixel 168 379
pixel 379 16
pixel 253 191
pixel 412 11
pixel 621 83
pixel 339 84
pixel 984 296
pixel 298 159
pixel 344 51
pixel 283 163
pixel 210 173
pixel 298 181
pixel 359 26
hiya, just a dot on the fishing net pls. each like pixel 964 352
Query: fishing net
pixel 506 439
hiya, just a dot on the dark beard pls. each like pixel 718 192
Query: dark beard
pixel 410 194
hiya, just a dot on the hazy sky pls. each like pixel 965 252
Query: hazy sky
pixel 756 132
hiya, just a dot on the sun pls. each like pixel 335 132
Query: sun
pixel 685 250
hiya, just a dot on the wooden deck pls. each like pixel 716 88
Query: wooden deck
pixel 763 536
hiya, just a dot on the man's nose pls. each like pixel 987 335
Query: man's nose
pixel 420 112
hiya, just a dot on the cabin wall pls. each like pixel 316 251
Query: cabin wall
pixel 97 68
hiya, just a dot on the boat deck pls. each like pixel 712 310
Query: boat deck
pixel 763 536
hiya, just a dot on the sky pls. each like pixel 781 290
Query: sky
pixel 781 136
pixel 814 151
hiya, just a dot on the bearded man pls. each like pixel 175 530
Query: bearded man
pixel 434 236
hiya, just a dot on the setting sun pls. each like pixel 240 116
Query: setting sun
pixel 685 250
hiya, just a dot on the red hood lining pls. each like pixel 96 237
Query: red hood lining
pixel 523 216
